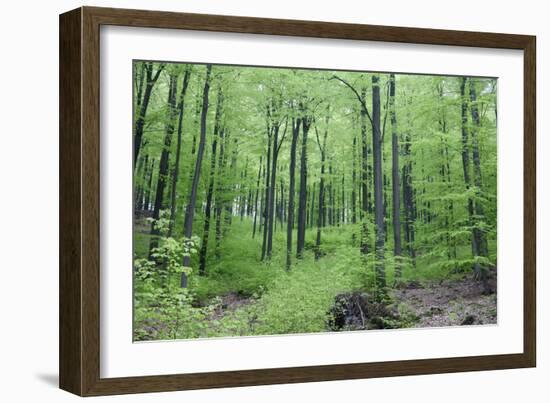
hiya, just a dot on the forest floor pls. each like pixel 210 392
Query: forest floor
pixel 242 296
pixel 436 304
pixel 449 303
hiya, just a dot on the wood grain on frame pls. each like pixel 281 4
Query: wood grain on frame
pixel 79 200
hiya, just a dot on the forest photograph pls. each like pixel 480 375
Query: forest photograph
pixel 274 201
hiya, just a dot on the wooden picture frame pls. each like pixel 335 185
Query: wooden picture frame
pixel 79 346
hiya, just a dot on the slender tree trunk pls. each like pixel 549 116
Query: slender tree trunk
pixel 190 210
pixel 164 163
pixel 320 209
pixel 255 210
pixel 330 199
pixel 467 179
pixel 354 183
pixel 273 181
pixel 291 190
pixel 244 185
pixel 343 200
pixel 479 211
pixel 220 187
pixel 482 238
pixel 148 191
pixel 176 169
pixel 268 189
pixel 230 203
pixel 306 122
pixel 378 197
pixel 151 79
pixel 208 208
pixel 364 175
pixel 141 173
pixel 321 203
pixel 312 207
pixel 396 202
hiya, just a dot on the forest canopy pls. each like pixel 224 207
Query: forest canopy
pixel 278 200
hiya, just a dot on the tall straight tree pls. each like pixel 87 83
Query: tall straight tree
pixel 408 194
pixel 291 189
pixel 302 208
pixel 365 167
pixel 276 121
pixel 466 165
pixel 190 209
pixel 364 172
pixel 220 189
pixel 176 168
pixel 321 204
pixel 164 161
pixel 378 196
pixel 396 202
pixel 477 165
pixel 210 191
pixel 268 190
pixel 149 189
pixel 151 78
pixel 255 207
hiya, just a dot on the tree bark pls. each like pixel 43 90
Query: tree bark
pixel 256 197
pixel 321 203
pixel 480 214
pixel 396 202
pixel 164 163
pixel 364 174
pixel 272 184
pixel 467 179
pixel 268 190
pixel 190 210
pixel 291 190
pixel 176 169
pixel 208 208
pixel 354 183
pixel 151 79
pixel 378 197
pixel 302 211
pixel 149 190
pixel 220 187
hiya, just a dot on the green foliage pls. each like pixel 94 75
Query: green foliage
pixel 162 308
pixel 242 294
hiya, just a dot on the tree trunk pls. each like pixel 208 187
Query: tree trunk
pixel 141 173
pixel 479 211
pixel 482 238
pixel 306 122
pixel 267 198
pixel 148 191
pixel 256 197
pixel 354 183
pixel 364 175
pixel 151 79
pixel 396 203
pixel 271 198
pixel 291 190
pixel 321 203
pixel 176 169
pixel 164 163
pixel 208 209
pixel 378 197
pixel 312 207
pixel 190 210
pixel 220 189
pixel 467 179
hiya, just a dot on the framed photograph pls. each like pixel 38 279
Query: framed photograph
pixel 248 201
